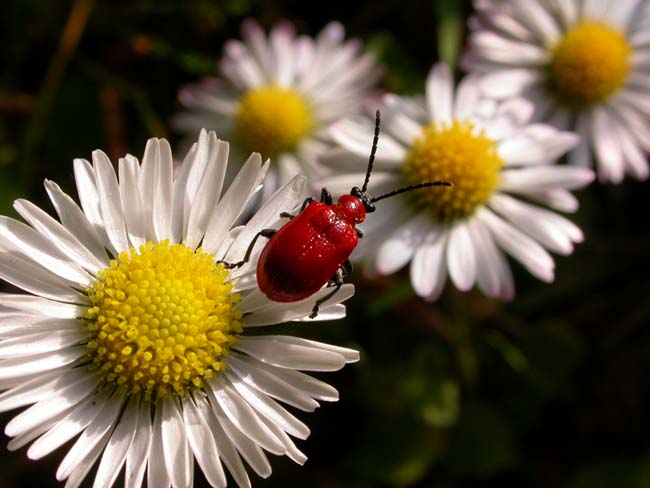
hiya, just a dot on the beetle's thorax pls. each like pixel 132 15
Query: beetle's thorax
pixel 351 209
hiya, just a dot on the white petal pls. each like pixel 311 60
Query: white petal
pixel 428 269
pixel 532 146
pixel 34 390
pixel 545 178
pixel 227 451
pixel 254 374
pixel 207 194
pixel 136 457
pixel 76 421
pixel 202 442
pixel 41 250
pixel 176 450
pixel 249 450
pixel 17 367
pixel 276 313
pixel 561 200
pixel 115 451
pixel 110 203
pixel 521 247
pixel 401 244
pixel 609 155
pixel 504 83
pixel 356 135
pixel 350 355
pixel 244 417
pixel 156 469
pixel 234 201
pixel 279 353
pixel 439 91
pixel 163 193
pixel 293 452
pixel 134 213
pixel 75 221
pixel 58 235
pixel 548 228
pixel 38 305
pixel 98 431
pixel 40 342
pixel 60 401
pixel 22 272
pixel 269 408
pixel 467 96
pixel 494 275
pixel 461 257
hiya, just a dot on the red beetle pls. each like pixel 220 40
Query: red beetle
pixel 313 248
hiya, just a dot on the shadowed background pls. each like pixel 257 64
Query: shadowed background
pixel 550 390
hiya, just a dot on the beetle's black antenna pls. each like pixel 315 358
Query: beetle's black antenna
pixel 373 151
pixel 411 188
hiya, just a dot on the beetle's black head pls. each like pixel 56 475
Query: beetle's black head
pixel 365 199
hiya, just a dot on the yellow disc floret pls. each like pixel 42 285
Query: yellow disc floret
pixel 457 153
pixel 163 318
pixel 590 63
pixel 271 120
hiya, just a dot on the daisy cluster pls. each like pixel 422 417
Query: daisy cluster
pixel 138 338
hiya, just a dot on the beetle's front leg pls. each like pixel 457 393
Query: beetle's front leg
pixel 287 215
pixel 337 279
pixel 326 196
pixel 268 233
pixel 347 268
pixel 359 233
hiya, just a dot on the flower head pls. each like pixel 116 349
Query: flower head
pixel 279 92
pixel 498 164
pixel 137 339
pixel 582 64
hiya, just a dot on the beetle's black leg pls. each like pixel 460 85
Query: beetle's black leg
pixel 286 215
pixel 359 233
pixel 338 283
pixel 268 233
pixel 307 201
pixel 326 196
pixel 347 268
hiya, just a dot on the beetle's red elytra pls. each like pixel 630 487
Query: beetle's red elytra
pixel 313 248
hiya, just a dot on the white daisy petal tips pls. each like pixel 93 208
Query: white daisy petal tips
pixel 589 73
pixel 279 92
pixel 492 154
pixel 131 340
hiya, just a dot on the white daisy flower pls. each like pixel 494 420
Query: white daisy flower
pixel 140 343
pixel 492 156
pixel 584 63
pixel 279 93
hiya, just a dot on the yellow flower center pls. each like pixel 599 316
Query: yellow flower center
pixel 163 319
pixel 590 63
pixel 457 153
pixel 271 120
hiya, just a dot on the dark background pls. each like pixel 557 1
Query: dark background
pixel 550 390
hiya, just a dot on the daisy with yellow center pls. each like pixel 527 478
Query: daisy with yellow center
pixel 584 66
pixel 493 156
pixel 136 340
pixel 278 94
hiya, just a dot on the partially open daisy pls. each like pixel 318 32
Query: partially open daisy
pixel 584 64
pixel 136 339
pixel 490 153
pixel 279 93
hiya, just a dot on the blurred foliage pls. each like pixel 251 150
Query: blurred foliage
pixel 548 391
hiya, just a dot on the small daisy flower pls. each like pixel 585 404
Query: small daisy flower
pixel 584 64
pixel 278 93
pixel 136 340
pixel 497 162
